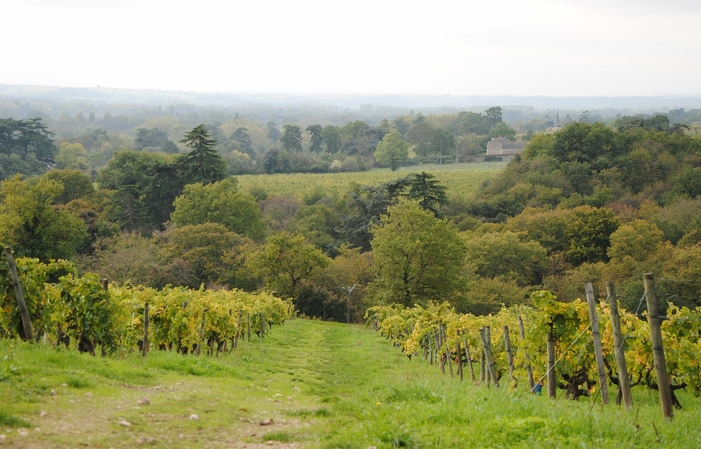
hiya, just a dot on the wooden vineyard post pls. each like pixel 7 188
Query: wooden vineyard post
pixel 601 368
pixel 249 326
pixel 483 368
pixel 238 330
pixel 105 287
pixel 552 387
pixel 619 354
pixel 486 341
pixel 509 356
pixel 23 311
pixel 204 321
pixel 144 347
pixel 459 358
pixel 469 360
pixel 448 360
pixel 654 319
pixel 527 358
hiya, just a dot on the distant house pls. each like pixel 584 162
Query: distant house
pixel 501 146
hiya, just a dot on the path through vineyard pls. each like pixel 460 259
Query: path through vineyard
pixel 308 385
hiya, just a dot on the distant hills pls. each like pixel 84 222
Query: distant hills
pixel 377 102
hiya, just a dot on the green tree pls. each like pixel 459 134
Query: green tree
pixel 145 185
pixel 316 136
pixel 26 146
pixel 272 131
pixel 443 142
pixel 504 256
pixel 392 150
pixel 76 184
pixel 33 226
pixel 425 188
pixel 589 233
pixel 416 256
pixel 72 155
pixel 503 130
pixel 219 202
pixel 286 261
pixel 206 248
pixel 493 114
pixel 291 138
pixel 422 134
pixel 241 136
pixel 202 164
pixel 332 137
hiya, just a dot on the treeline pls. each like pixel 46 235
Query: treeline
pixel 586 203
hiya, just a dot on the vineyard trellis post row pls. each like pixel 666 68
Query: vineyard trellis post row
pixel 527 358
pixel 598 353
pixel 654 319
pixel 552 386
pixel 619 354
pixel 144 348
pixel 23 311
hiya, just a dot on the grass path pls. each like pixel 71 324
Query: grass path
pixel 308 385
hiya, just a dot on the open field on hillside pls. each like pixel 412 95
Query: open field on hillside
pixel 309 385
pixel 460 179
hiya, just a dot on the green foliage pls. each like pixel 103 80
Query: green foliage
pixel 145 185
pixel 32 225
pixel 589 233
pixel 286 261
pixel 416 257
pixel 202 164
pixel 504 256
pixel 291 138
pixel 392 150
pixel 75 184
pixel 26 146
pixel 219 202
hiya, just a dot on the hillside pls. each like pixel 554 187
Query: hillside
pixel 308 385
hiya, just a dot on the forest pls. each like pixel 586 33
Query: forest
pixel 153 199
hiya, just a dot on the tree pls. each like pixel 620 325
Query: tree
pixel 315 132
pixel 493 114
pixel 503 130
pixel 443 142
pixel 26 146
pixel 332 137
pixel 425 189
pixel 392 150
pixel 589 233
pixel 416 256
pixel 286 261
pixel 422 135
pixel 205 247
pixel 504 256
pixel 145 185
pixel 242 137
pixel 71 155
pixel 154 138
pixel 33 226
pixel 273 132
pixel 203 163
pixel 76 184
pixel 291 138
pixel 221 203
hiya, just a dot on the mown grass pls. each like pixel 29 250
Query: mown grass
pixel 460 179
pixel 310 384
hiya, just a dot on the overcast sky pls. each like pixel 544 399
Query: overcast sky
pixel 466 47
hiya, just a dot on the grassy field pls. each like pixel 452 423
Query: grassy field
pixel 460 179
pixel 309 385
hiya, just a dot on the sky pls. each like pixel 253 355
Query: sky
pixel 466 47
